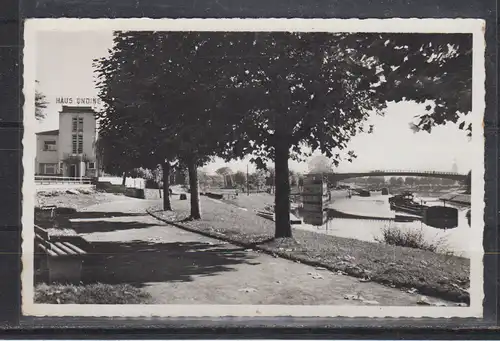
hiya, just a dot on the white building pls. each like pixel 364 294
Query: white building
pixel 70 150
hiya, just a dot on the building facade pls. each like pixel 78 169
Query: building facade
pixel 70 150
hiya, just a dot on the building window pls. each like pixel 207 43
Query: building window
pixel 80 143
pixel 49 146
pixel 77 123
pixel 91 165
pixel 74 142
pixel 48 168
pixel 77 143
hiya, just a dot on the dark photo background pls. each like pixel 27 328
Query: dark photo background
pixel 11 167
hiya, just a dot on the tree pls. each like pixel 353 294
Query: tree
pixel 410 181
pixel 153 83
pixel 112 153
pixel 226 174
pixel 317 90
pixel 257 179
pixel 376 180
pixel 300 182
pixel 40 104
pixel 393 181
pixel 129 134
pixel 271 178
pixel 294 179
pixel 240 178
pixel 204 178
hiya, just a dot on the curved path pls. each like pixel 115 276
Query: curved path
pixel 179 267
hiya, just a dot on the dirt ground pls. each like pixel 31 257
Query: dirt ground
pixel 74 198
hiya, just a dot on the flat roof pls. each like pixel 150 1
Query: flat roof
pixel 76 109
pixel 49 132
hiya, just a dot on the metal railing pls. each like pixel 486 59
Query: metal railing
pixel 400 172
pixel 413 172
pixel 49 180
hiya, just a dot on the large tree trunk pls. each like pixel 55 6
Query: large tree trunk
pixel 167 206
pixel 282 192
pixel 124 178
pixel 193 189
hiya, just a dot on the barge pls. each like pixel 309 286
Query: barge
pixel 435 216
pixel 405 202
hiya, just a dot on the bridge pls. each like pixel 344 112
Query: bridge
pixel 334 177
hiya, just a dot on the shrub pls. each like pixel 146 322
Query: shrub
pixel 151 183
pixel 406 238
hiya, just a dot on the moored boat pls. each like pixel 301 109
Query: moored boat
pixel 405 203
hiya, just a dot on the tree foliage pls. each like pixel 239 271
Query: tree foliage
pixel 231 94
pixel 240 178
pixel 317 90
pixel 157 94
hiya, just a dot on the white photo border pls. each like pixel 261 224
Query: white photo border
pixel 476 27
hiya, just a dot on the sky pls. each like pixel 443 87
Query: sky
pixel 64 69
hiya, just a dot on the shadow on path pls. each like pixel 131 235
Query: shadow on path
pixel 97 214
pixel 96 226
pixel 98 221
pixel 92 222
pixel 141 262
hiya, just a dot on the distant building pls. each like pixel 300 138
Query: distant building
pixel 70 150
pixel 454 168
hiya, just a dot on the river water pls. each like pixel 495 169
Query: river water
pixel 452 240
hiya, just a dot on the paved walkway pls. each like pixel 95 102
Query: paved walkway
pixel 179 267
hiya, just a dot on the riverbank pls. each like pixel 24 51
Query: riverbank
pixel 428 273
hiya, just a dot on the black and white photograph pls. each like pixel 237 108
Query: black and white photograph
pixel 253 167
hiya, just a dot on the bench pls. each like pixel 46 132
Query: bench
pixel 61 260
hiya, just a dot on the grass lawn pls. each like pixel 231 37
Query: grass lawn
pixel 254 201
pixel 432 274
pixel 90 294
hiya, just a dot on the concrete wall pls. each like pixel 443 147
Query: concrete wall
pixel 109 187
pixel 65 134
pixel 129 182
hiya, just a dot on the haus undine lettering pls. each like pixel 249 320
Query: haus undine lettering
pixel 78 100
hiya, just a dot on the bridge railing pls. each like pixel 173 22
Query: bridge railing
pixel 398 171
pixel 411 172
